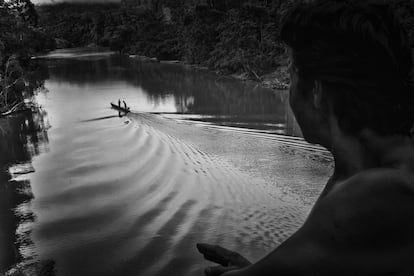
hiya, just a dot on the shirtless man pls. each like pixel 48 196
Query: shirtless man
pixel 350 92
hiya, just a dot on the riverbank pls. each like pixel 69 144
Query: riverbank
pixel 19 84
pixel 20 38
pixel 232 39
pixel 237 38
pixel 277 79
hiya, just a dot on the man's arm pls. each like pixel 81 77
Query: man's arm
pixel 363 227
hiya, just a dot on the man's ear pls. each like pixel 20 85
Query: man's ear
pixel 317 92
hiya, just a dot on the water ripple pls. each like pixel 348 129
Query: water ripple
pixel 135 198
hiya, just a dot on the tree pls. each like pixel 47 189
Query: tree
pixel 19 39
pixel 25 10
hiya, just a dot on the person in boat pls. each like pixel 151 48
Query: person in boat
pixel 351 92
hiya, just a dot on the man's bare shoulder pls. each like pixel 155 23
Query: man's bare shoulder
pixel 372 206
pixel 367 220
pixel 376 186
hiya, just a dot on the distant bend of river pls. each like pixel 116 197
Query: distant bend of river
pixel 84 191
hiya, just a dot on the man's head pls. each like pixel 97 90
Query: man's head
pixel 352 60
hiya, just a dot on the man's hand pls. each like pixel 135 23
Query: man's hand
pixel 228 260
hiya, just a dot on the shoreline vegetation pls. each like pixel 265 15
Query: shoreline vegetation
pixel 238 38
pixel 20 39
pixel 231 38
pixel 277 80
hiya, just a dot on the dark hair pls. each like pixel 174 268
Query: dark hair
pixel 359 49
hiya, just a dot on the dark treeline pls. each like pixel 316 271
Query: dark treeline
pixel 20 38
pixel 228 36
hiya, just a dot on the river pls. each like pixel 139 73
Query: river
pixel 87 191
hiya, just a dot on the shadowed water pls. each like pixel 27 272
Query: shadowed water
pixel 198 161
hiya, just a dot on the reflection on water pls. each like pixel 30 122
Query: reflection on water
pixel 22 137
pixel 104 195
pixel 168 88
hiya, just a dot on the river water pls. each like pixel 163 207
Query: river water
pixel 85 191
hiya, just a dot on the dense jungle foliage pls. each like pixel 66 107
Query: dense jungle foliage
pixel 20 38
pixel 226 35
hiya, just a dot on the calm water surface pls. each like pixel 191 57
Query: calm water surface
pixel 86 192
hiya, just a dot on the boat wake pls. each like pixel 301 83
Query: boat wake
pixel 133 195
